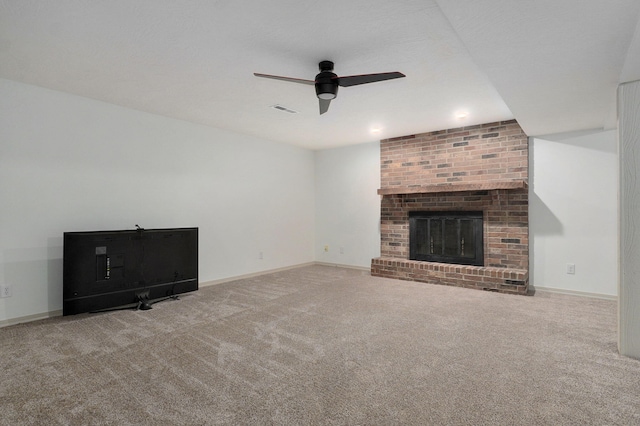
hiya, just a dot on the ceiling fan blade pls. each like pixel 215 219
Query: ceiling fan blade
pixel 354 80
pixel 324 105
pixel 277 77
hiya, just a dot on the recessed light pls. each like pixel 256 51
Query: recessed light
pixel 376 130
pixel 461 114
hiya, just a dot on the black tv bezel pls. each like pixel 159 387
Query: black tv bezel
pixel 83 293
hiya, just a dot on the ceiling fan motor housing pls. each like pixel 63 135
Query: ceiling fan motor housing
pixel 326 81
pixel 326 85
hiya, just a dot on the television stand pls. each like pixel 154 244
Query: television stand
pixel 143 304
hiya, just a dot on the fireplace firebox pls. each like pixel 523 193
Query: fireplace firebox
pixel 446 237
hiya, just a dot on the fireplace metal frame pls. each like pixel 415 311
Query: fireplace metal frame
pixel 474 216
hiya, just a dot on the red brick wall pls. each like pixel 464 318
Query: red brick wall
pixel 475 154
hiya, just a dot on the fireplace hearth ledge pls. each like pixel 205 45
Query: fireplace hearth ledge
pixel 502 280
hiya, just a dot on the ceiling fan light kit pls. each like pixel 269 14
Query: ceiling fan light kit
pixel 327 82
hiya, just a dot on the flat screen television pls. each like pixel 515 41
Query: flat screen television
pixel 103 270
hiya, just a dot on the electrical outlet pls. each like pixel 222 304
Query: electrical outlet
pixel 5 291
pixel 341 250
pixel 571 268
pixel 260 255
pixel 326 248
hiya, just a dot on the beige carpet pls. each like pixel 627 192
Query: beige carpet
pixel 322 345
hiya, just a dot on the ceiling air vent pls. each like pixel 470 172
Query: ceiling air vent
pixel 285 109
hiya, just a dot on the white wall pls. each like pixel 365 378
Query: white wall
pixel 69 164
pixel 573 212
pixel 629 205
pixel 347 205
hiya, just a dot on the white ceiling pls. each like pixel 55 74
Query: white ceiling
pixel 554 65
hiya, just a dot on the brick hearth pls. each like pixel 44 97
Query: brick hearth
pixel 476 168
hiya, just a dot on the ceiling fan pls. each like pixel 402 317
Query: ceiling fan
pixel 327 82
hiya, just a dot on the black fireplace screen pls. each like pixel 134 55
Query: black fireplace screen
pixel 446 237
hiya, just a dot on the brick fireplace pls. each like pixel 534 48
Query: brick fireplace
pixel 481 168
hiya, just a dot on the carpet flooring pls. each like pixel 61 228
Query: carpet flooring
pixel 322 345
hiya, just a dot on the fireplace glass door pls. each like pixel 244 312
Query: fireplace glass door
pixel 446 237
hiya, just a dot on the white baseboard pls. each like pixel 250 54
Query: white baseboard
pixel 575 293
pixel 252 275
pixel 271 271
pixel 30 318
pixel 339 265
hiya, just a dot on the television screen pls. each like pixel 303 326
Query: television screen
pixel 109 269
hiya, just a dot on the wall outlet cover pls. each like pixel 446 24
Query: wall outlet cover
pixel 5 291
